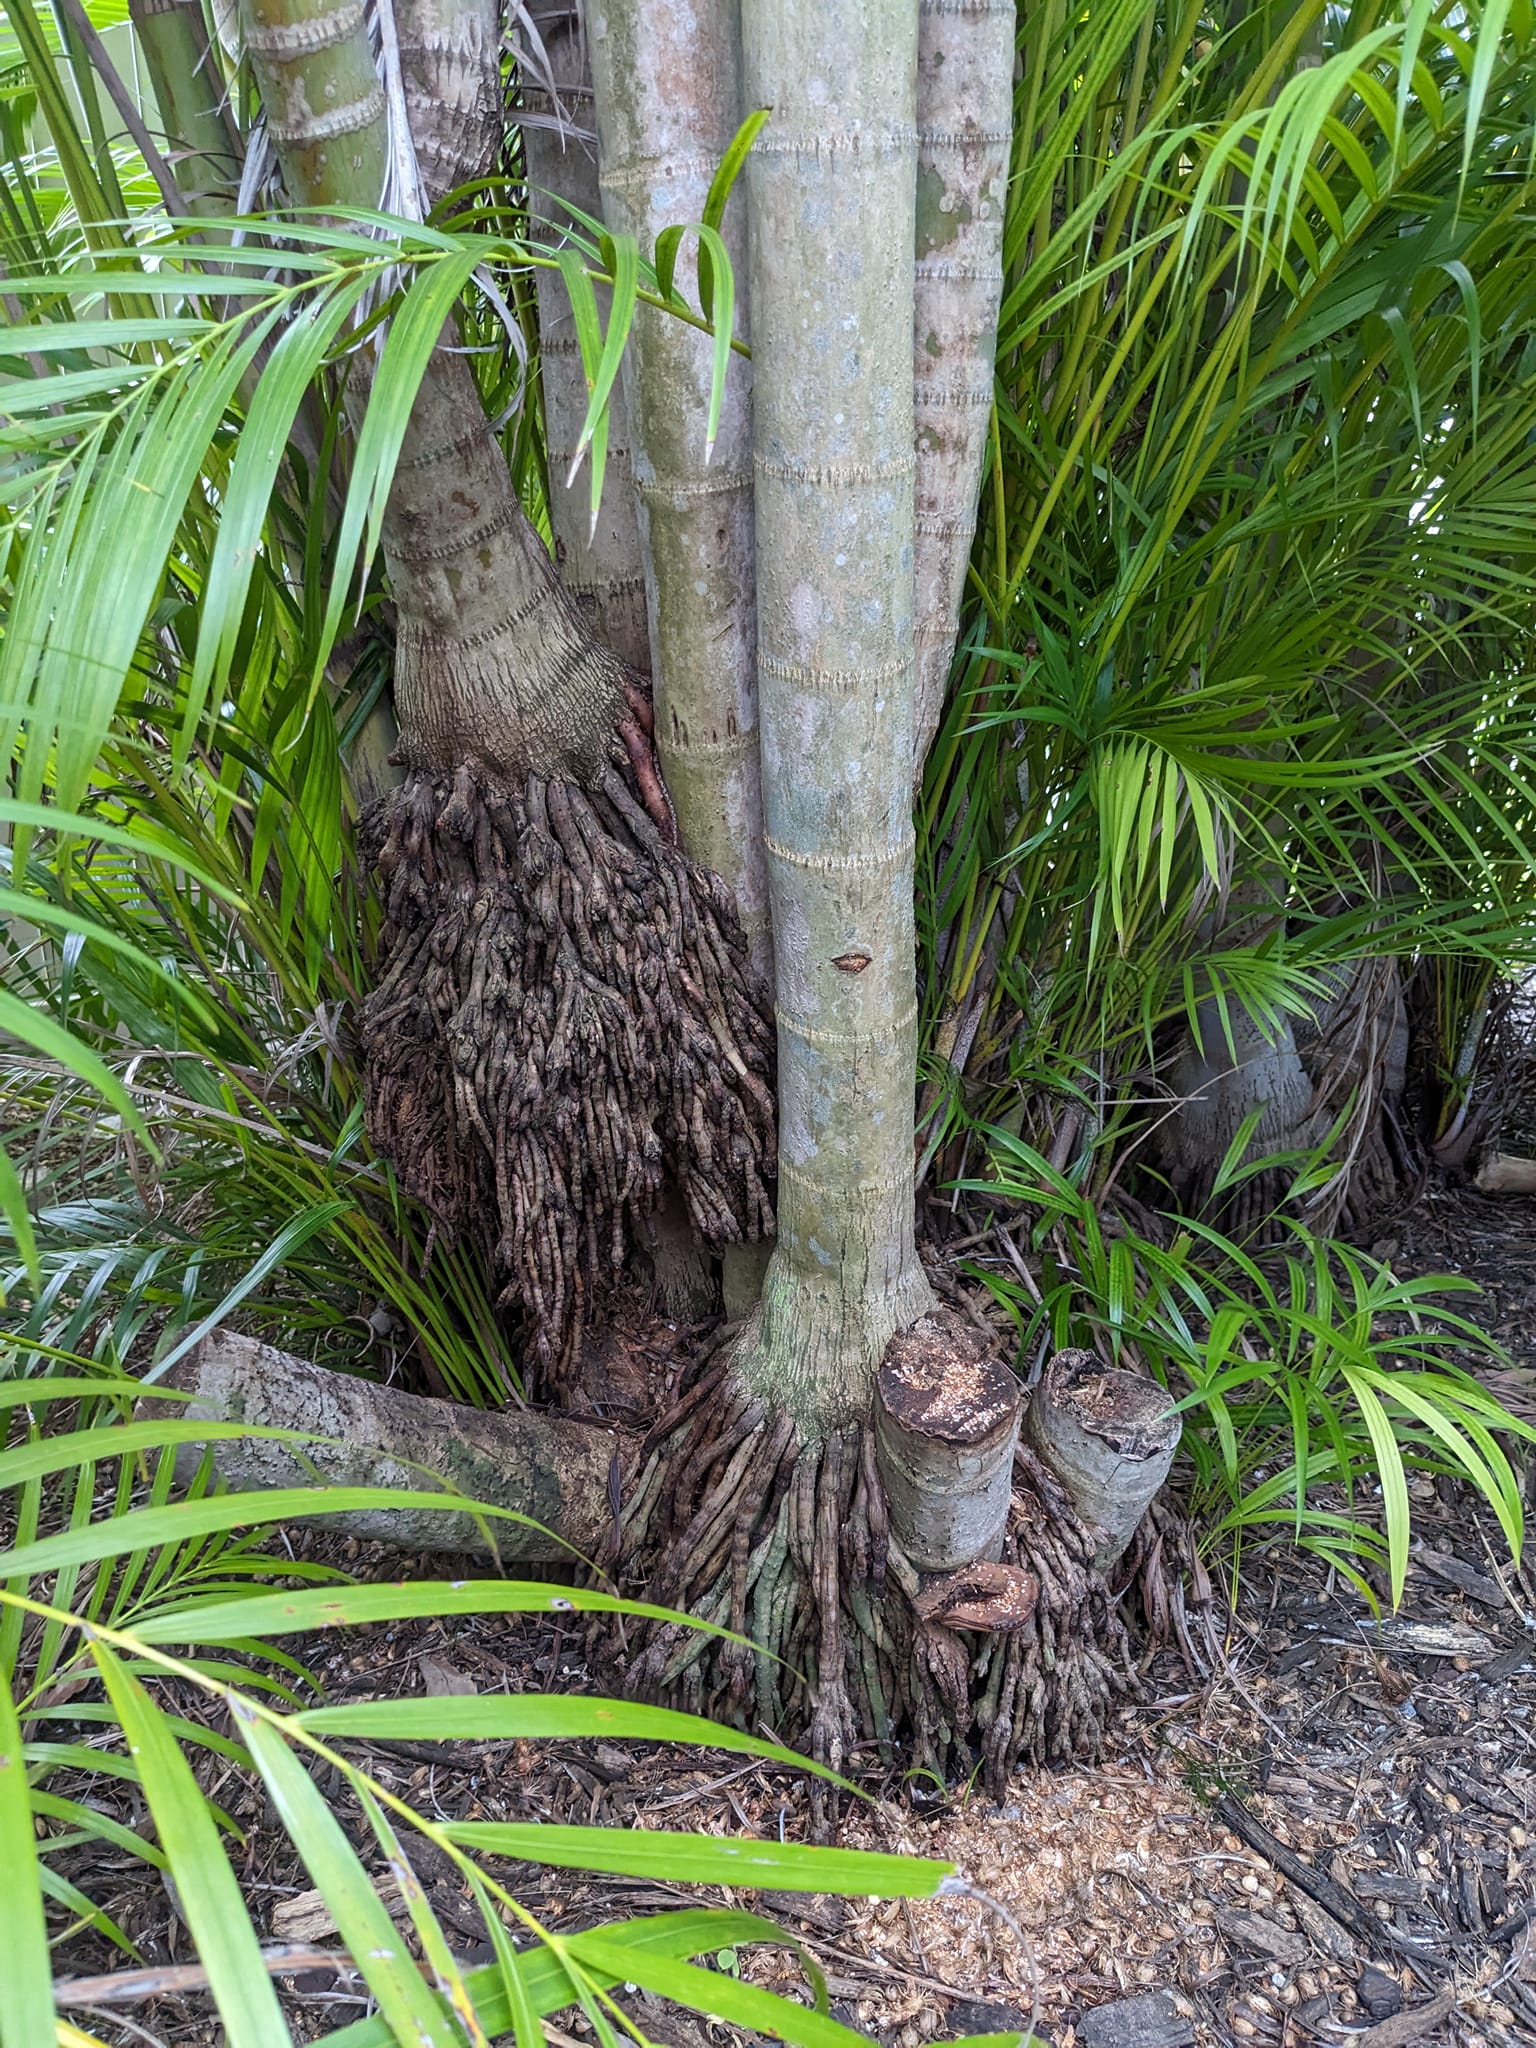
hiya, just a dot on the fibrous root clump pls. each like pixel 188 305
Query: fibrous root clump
pixel 565 1016
pixel 787 1542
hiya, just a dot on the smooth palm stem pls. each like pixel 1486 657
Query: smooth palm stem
pixel 600 563
pixel 188 85
pixel 831 237
pixel 668 97
pixel 965 129
pixel 324 104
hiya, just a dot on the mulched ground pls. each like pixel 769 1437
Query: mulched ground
pixel 1314 1829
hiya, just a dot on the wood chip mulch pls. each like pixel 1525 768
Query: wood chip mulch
pixel 1316 1829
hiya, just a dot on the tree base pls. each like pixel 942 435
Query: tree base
pixel 734 1517
pixel 748 1525
pixel 565 1019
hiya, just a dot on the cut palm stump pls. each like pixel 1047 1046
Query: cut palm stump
pixel 946 1423
pixel 1109 1437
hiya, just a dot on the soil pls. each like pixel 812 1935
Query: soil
pixel 1134 1902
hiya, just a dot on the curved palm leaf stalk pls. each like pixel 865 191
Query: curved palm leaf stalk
pixel 564 1007
pixel 965 128
pixel 599 557
pixel 766 1494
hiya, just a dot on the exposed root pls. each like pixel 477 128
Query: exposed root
pixel 565 1017
pixel 786 1542
pixel 1162 1553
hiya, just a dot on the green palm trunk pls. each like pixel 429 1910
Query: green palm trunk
pixel 832 185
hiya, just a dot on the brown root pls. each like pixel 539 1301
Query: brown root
pixel 565 1018
pixel 746 1525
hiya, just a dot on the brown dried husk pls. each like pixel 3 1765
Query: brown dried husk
pixel 565 1017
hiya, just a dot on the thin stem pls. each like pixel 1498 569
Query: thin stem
pixel 122 99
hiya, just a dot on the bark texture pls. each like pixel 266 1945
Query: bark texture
pixel 601 564
pixel 450 66
pixel 965 132
pixel 555 1472
pixel 668 101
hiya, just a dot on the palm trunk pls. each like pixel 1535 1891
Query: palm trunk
pixel 668 98
pixel 600 562
pixel 553 1473
pixel 780 1508
pixel 832 188
pixel 564 1011
pixel 565 1003
pixel 965 131
pixel 450 67
pixel 781 1442
pixel 604 562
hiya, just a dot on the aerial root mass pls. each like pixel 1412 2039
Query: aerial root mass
pixel 565 1017
pixel 740 1520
